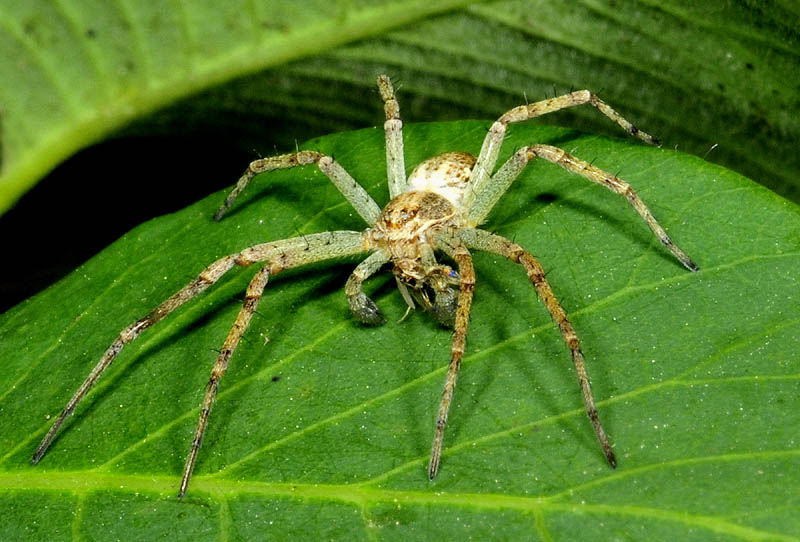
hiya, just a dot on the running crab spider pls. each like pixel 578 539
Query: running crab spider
pixel 436 208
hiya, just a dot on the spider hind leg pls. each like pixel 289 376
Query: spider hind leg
pixel 457 250
pixel 494 244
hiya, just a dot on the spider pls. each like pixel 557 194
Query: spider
pixel 436 208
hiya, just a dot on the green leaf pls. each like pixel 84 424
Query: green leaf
pixel 322 427
pixel 715 78
pixel 73 72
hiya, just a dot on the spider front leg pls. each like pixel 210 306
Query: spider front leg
pixel 350 189
pixel 457 250
pixel 280 254
pixel 395 161
pixel 488 242
pixel 487 158
pixel 506 175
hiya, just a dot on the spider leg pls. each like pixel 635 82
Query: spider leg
pixel 494 139
pixel 488 242
pixel 353 192
pixel 253 295
pixel 457 250
pixel 206 278
pixel 281 255
pixel 362 306
pixel 514 166
pixel 395 161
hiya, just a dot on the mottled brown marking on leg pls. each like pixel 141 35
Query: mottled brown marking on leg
pixel 537 276
pixel 616 185
pixel 456 250
pixel 483 240
pixel 252 297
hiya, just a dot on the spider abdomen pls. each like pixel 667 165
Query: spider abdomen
pixel 445 174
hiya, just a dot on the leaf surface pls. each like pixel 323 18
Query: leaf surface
pixel 322 427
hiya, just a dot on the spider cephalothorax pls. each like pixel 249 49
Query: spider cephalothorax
pixel 436 209
pixel 406 232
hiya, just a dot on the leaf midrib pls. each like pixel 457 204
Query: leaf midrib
pixel 364 496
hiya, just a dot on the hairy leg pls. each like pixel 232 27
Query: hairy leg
pixel 457 250
pixel 395 161
pixel 514 166
pixel 205 279
pixel 488 242
pixel 353 192
pixel 253 295
pixel 281 255
pixel 494 139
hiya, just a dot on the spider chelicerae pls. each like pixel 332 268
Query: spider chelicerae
pixel 437 208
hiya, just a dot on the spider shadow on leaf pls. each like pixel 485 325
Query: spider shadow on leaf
pixel 542 385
